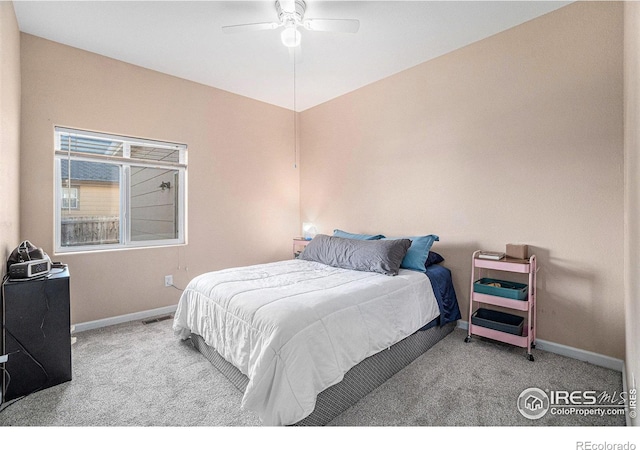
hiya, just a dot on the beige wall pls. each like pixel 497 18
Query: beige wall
pixel 9 132
pixel 516 138
pixel 242 186
pixel 536 110
pixel 632 191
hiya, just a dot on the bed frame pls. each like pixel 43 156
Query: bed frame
pixel 357 382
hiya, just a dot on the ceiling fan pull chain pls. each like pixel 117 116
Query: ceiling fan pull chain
pixel 295 117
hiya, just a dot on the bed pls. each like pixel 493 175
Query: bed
pixel 303 339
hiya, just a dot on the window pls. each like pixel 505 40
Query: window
pixel 69 198
pixel 133 191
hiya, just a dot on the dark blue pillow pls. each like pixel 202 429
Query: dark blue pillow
pixel 433 258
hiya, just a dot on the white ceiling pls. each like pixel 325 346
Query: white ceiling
pixel 185 39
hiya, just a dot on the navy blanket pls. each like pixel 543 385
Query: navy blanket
pixel 442 284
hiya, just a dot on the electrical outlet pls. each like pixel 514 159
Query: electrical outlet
pixel 168 280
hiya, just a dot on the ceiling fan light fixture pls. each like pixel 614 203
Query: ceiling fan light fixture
pixel 291 37
pixel 290 18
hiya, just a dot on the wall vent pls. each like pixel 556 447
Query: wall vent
pixel 156 319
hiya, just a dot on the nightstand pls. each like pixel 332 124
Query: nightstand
pixel 36 334
pixel 298 245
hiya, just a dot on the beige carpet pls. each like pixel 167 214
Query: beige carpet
pixel 142 375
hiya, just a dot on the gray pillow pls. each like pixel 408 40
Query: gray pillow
pixel 356 254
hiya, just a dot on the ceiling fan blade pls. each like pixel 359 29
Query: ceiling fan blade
pixel 337 25
pixel 250 27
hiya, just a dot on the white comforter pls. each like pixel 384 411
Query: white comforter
pixel 296 327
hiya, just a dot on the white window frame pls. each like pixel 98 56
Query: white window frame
pixel 125 163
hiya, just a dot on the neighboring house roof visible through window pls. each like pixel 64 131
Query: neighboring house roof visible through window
pixel 90 171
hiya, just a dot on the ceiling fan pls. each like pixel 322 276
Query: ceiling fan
pixel 290 17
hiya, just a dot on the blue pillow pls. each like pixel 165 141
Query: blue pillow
pixel 433 258
pixel 416 257
pixel 362 237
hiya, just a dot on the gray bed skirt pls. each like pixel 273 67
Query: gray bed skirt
pixel 357 382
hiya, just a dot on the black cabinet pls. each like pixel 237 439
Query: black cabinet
pixel 35 333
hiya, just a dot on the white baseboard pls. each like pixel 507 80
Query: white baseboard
pixel 571 352
pixel 84 326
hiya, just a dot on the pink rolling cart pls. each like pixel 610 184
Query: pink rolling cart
pixel 528 305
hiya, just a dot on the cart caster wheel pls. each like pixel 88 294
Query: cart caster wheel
pixel 531 358
pixel 467 339
pixel 533 345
